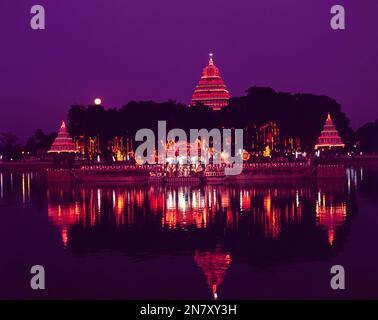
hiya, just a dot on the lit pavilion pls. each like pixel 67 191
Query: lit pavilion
pixel 211 90
pixel 63 143
pixel 329 137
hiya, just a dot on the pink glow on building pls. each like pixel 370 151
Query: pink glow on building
pixel 211 89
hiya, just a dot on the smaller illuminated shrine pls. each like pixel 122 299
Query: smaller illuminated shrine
pixel 211 90
pixel 63 149
pixel 63 143
pixel 329 137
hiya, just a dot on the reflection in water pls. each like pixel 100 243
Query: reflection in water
pixel 330 215
pixel 1 185
pixel 263 225
pixel 182 207
pixel 214 265
pixel 25 178
pixel 222 221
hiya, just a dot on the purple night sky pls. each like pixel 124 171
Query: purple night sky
pixel 123 50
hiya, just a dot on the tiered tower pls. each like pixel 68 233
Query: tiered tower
pixel 211 89
pixel 329 137
pixel 63 143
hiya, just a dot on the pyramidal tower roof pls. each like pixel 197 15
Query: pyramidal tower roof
pixel 63 143
pixel 211 89
pixel 329 137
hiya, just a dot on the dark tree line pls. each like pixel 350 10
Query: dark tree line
pixel 367 137
pixel 11 149
pixel 298 115
pixel 40 142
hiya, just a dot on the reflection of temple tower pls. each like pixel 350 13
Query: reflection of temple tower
pixel 214 265
pixel 329 137
pixel 67 206
pixel 211 90
pixel 331 208
pixel 251 137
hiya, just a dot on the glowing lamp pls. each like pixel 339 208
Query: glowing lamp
pixel 97 101
pixel 245 155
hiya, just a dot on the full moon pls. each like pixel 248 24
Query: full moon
pixel 97 101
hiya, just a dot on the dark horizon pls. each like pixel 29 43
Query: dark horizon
pixel 153 51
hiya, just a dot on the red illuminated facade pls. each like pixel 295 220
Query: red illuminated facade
pixel 63 143
pixel 211 89
pixel 329 137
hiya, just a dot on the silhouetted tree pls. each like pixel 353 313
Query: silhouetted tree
pixel 10 149
pixel 40 142
pixel 298 115
pixel 367 137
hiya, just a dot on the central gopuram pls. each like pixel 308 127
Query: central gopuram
pixel 211 90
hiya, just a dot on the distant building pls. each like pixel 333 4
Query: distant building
pixel 329 137
pixel 211 90
pixel 121 148
pixel 251 137
pixel 63 149
pixel 291 144
pixel 89 148
pixel 269 135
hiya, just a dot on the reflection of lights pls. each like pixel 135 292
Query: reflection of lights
pixel 185 207
pixel 245 200
pixel 65 236
pixel 182 201
pixel 1 186
pixel 194 200
pixel 28 186
pixel 351 176
pixel 23 188
pixel 330 216
pixel 171 203
pixel 268 210
pixel 214 265
pixel 99 200
pixel 331 236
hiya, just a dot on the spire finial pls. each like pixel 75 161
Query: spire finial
pixel 63 125
pixel 211 62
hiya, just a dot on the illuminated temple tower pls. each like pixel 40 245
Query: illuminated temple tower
pixel 63 143
pixel 329 137
pixel 211 90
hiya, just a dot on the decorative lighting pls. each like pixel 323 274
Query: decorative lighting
pixel 97 101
